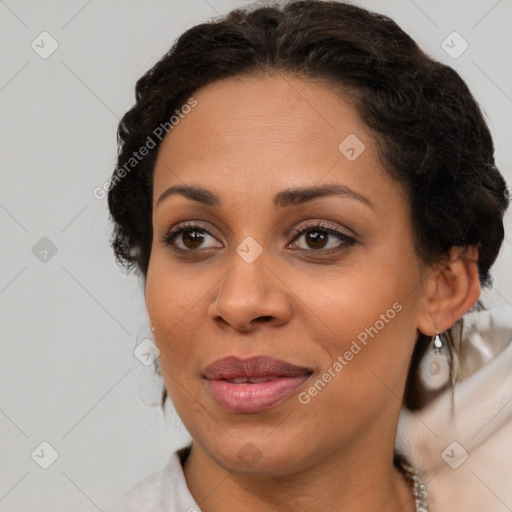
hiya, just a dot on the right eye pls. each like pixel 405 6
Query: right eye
pixel 189 236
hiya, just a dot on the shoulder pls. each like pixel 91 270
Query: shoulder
pixel 144 496
pixel 462 442
pixel 163 491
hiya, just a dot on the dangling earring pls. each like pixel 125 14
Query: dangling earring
pixel 435 366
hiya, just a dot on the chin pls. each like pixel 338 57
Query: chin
pixel 256 452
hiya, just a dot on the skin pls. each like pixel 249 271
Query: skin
pixel 246 140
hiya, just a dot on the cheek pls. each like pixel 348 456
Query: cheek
pixel 172 307
pixel 368 367
pixel 370 321
pixel 171 295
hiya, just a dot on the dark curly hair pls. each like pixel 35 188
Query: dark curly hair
pixel 431 133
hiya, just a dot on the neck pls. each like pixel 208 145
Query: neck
pixel 362 477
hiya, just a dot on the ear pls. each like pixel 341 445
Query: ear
pixel 452 288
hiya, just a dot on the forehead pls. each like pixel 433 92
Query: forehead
pixel 259 132
pixel 242 112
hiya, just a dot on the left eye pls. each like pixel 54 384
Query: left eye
pixel 317 238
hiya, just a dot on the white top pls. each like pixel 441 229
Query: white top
pixel 461 446
pixel 165 491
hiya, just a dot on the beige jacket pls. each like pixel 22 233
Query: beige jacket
pixel 462 442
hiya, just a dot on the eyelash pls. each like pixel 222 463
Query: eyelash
pixel 346 240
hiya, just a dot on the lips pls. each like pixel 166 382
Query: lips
pixel 254 384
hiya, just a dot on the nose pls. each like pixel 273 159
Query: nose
pixel 251 294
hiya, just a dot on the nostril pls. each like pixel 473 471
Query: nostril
pixel 265 318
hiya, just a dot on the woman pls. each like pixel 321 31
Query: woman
pixel 313 205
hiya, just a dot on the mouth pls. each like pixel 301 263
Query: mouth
pixel 254 384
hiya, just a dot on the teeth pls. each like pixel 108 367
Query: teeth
pixel 246 380
pixel 256 380
pixel 239 380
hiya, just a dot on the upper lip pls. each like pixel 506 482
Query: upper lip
pixel 258 366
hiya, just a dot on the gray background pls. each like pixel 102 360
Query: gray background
pixel 71 320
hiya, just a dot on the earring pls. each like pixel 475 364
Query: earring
pixel 152 329
pixel 435 366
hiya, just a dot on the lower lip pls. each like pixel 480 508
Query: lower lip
pixel 254 397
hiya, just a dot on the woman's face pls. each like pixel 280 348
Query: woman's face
pixel 287 309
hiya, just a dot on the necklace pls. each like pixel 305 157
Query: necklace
pixel 414 480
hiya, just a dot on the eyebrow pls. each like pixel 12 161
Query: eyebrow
pixel 286 197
